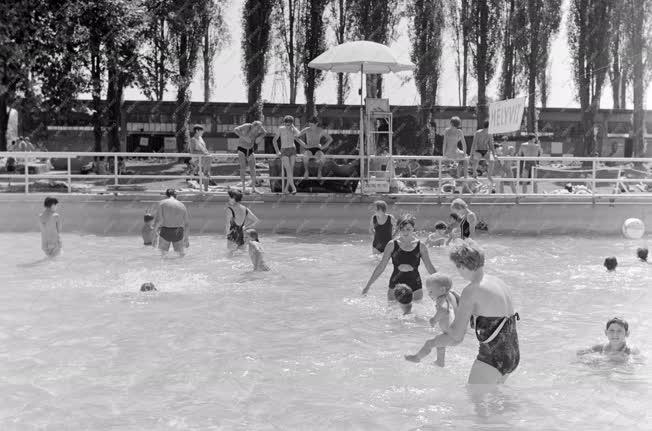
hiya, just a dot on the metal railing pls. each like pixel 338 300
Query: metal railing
pixel 588 176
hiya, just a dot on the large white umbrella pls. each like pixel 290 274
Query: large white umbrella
pixel 361 56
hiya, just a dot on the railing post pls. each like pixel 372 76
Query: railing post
pixel 69 175
pixel 518 176
pixel 593 175
pixel 440 177
pixel 26 175
pixel 115 170
pixel 201 174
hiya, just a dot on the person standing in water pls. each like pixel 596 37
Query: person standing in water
pixel 173 224
pixel 487 303
pixel 466 218
pixel 248 135
pixel 50 223
pixel 237 216
pixel 406 252
pixel 314 148
pixel 382 227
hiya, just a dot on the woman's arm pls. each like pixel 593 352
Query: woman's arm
pixel 425 257
pixel 227 214
pixel 372 228
pixel 380 267
pixel 252 217
pixel 473 221
pixel 593 349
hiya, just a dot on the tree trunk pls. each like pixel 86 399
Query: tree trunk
pixel 507 90
pixel 588 119
pixel 160 66
pixel 96 90
pixel 182 111
pixel 638 86
pixel 4 119
pixel 533 55
pixel 481 63
pixel 623 89
pixel 615 72
pixel 464 13
pixel 207 64
pixel 340 89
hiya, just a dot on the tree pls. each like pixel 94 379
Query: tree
pixel 156 70
pixel 375 20
pixel 187 21
pixel 486 27
pixel 342 23
pixel 313 24
pixel 515 37
pixel 640 39
pixel 290 43
pixel 618 73
pixel 543 19
pixel 215 35
pixel 589 34
pixel 456 21
pixel 256 15
pixel 428 18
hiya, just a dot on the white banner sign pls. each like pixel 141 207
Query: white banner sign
pixel 506 116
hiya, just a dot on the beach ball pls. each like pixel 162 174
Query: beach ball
pixel 633 228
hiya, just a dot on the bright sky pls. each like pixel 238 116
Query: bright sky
pixel 229 82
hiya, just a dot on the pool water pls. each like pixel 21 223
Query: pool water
pixel 221 348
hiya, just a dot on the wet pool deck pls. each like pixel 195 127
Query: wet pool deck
pixel 121 214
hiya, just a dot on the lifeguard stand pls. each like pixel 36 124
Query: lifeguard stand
pixel 379 172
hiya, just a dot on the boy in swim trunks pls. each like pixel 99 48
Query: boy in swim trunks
pixel 288 133
pixel 50 223
pixel 249 134
pixel 314 149
pixel 483 148
pixel 453 136
pixel 439 289
pixel 616 331
pixel 148 232
pixel 382 227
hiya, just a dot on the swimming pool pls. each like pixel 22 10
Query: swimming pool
pixel 219 347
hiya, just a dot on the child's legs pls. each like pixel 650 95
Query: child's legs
pixel 179 247
pixel 243 168
pixel 252 170
pixel 292 160
pixel 285 162
pixel 320 163
pixel 441 356
pixel 307 155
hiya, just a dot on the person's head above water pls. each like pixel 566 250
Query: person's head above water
pixel 440 226
pixel 403 295
pixel 610 263
pixel 458 205
pixel 641 253
pixel 406 224
pixel 438 285
pixel 171 193
pixel 381 206
pixel 235 194
pixel 467 256
pixel 617 330
pixel 253 235
pixel 147 287
pixel 50 203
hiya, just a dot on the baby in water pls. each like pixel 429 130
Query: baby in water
pixel 256 252
pixel 617 331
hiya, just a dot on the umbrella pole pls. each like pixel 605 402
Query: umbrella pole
pixel 361 137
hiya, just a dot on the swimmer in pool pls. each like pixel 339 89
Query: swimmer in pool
pixel 641 253
pixel 610 263
pixel 404 296
pixel 617 331
pixel 149 232
pixel 382 227
pixel 486 302
pixel 440 236
pixel 172 222
pixel 256 252
pixel 235 228
pixel 466 218
pixel 439 289
pixel 50 223
pixel 406 252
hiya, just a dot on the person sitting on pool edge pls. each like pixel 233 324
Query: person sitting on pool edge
pixel 610 263
pixel 616 331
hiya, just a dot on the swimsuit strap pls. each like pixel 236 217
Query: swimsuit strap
pixel 245 217
pixel 497 330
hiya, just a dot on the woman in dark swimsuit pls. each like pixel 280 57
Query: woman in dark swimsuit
pixel 467 218
pixel 406 253
pixel 487 303
pixel 237 216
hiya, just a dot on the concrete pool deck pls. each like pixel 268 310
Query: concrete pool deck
pixel 122 214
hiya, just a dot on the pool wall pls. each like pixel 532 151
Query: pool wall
pixel 123 214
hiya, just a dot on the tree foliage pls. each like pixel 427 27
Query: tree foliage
pixel 256 24
pixel 341 20
pixel 290 40
pixel 315 44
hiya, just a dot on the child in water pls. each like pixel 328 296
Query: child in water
pixel 382 227
pixel 439 236
pixel 148 232
pixel 403 295
pixel 256 252
pixel 610 263
pixel 617 331
pixel 50 223
pixel 642 253
pixel 446 301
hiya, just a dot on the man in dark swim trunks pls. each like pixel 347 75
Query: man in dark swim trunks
pixel 249 135
pixel 173 223
pixel 487 302
pixel 483 148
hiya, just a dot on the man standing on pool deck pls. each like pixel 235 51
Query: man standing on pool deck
pixel 287 133
pixel 452 137
pixel 173 222
pixel 483 148
pixel 314 148
pixel 529 149
pixel 198 146
pixel 249 134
